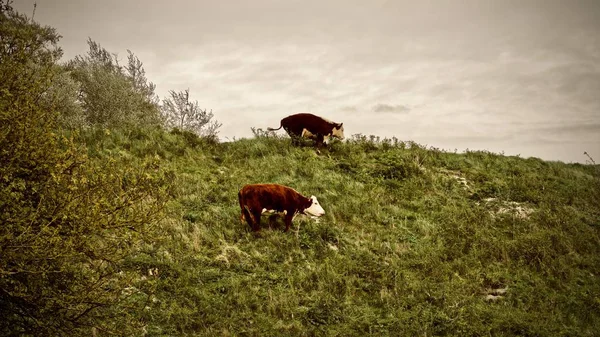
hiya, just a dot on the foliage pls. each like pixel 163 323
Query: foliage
pixel 69 222
pixel 62 95
pixel 25 49
pixel 113 96
pixel 182 113
pixel 137 75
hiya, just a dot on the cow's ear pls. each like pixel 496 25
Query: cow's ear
pixel 341 124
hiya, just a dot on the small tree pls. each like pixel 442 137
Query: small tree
pixel 137 75
pixel 62 95
pixel 179 112
pixel 113 96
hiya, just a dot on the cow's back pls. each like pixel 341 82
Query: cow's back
pixel 298 122
pixel 269 196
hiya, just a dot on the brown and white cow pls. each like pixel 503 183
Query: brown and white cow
pixel 310 126
pixel 260 198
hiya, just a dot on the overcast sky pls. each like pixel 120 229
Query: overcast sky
pixel 513 76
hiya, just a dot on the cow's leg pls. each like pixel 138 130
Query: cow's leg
pixel 273 219
pixel 319 143
pixel 256 215
pixel 246 216
pixel 296 140
pixel 288 220
pixel 292 135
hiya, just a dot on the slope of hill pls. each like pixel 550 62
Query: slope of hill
pixel 415 242
pixel 111 226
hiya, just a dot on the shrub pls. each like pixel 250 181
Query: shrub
pixel 68 222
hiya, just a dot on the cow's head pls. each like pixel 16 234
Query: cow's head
pixel 314 209
pixel 338 131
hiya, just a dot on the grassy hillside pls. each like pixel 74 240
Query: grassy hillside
pixel 415 242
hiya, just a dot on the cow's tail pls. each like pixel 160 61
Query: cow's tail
pixel 271 129
pixel 245 212
pixel 241 205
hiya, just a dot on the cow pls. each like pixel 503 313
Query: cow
pixel 310 126
pixel 256 199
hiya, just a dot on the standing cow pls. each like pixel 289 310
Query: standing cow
pixel 310 126
pixel 260 198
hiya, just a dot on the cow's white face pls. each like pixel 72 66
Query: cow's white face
pixel 315 209
pixel 338 131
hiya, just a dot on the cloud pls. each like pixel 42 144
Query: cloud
pixel 576 130
pixel 391 108
pixel 506 72
pixel 348 108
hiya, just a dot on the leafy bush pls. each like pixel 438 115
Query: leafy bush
pixel 110 95
pixel 180 112
pixel 68 221
pixel 394 165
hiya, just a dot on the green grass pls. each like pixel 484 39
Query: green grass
pixel 413 241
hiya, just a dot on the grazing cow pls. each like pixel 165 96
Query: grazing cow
pixel 310 126
pixel 260 198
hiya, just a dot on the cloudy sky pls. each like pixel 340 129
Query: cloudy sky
pixel 513 76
